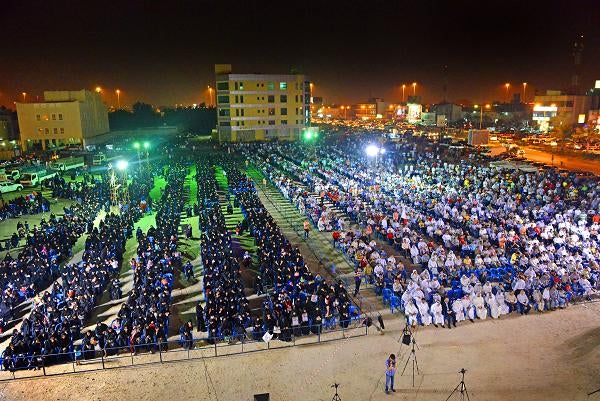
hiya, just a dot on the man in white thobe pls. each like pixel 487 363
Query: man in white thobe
pixel 436 312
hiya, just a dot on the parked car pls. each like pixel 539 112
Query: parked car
pixel 10 187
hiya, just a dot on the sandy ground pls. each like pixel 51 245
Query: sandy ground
pixel 551 356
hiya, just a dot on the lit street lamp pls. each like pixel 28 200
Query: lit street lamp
pixel 524 92
pixel 24 96
pixel 118 91
pixel 414 85
pixel 146 147
pixel 403 89
pixel 210 91
pixel 374 151
pixel 487 106
pixel 507 85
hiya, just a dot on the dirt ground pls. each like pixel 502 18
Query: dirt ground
pixel 551 356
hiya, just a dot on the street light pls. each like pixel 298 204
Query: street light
pixel 403 89
pixel 487 106
pixel 98 89
pixel 374 151
pixel 24 96
pixel 122 165
pixel 414 85
pixel 118 91
pixel 507 85
pixel 210 95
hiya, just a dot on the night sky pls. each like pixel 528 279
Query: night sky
pixel 164 52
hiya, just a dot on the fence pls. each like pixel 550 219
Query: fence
pixel 27 366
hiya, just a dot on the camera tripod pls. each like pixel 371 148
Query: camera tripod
pixel 412 356
pixel 336 396
pixel 461 387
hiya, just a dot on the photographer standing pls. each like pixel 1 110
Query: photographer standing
pixel 390 371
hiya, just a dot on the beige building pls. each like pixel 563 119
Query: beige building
pixel 63 118
pixel 259 107
pixel 556 110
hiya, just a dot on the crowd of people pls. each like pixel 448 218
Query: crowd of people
pixel 300 302
pixel 142 323
pixel 472 232
pixel 226 310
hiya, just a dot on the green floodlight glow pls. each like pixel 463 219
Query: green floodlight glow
pixel 136 145
pixel 146 145
pixel 122 165
pixel 308 135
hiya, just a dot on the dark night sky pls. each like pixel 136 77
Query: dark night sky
pixel 164 52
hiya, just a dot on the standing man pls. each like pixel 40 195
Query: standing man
pixel 390 371
pixel 200 317
pixel 448 312
pixel 306 228
pixel 357 279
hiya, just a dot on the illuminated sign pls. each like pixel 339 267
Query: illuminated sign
pixel 581 119
pixel 414 112
pixel 545 108
pixel 597 84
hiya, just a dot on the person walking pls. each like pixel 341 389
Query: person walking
pixel 390 372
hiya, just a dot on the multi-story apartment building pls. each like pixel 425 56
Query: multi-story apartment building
pixel 259 107
pixel 64 117
pixel 561 111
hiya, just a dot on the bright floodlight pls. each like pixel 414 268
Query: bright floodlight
pixel 136 145
pixel 122 164
pixel 381 150
pixel 372 150
pixel 146 145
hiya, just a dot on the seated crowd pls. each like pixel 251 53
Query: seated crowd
pixel 500 230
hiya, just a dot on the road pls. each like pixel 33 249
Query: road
pixel 567 162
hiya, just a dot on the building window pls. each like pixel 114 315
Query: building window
pixel 38 117
pixel 283 98
pixel 271 111
pixel 283 86
pixel 271 122
pixel 53 117
pixel 242 113
pixel 55 131
pixel 223 99
pixel 237 112
pixel 62 130
pixel 60 116
pixel 235 86
pixel 237 99
pixel 223 86
pixel 283 122
pixel 284 111
pixel 271 99
pixel 241 98
pixel 46 131
pixel 223 112
pixel 241 86
pixel 270 86
pixel 224 124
